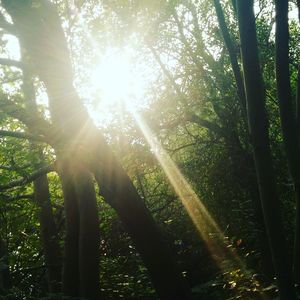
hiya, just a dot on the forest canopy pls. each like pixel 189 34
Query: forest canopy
pixel 149 149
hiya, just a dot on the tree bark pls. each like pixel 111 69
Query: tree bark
pixel 70 275
pixel 258 123
pixel 89 237
pixel 119 192
pixel 287 115
pixel 4 271
pixel 49 234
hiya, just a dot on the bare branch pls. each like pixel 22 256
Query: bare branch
pixel 189 116
pixel 165 71
pixel 173 151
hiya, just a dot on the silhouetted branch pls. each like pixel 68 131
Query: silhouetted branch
pixel 10 28
pixel 12 63
pixel 173 151
pixel 205 123
pixel 16 197
pixel 21 135
pixel 14 168
pixel 35 123
pixel 28 179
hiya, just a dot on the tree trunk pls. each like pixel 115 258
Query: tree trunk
pixel 70 275
pixel 244 168
pixel 4 269
pixel 49 234
pixel 89 235
pixel 81 263
pixel 49 237
pixel 258 123
pixel 119 192
pixel 287 115
pixel 233 58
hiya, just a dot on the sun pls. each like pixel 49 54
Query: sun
pixel 116 81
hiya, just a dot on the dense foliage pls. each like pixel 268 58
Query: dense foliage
pixel 189 126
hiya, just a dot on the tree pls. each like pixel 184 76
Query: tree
pixel 40 32
pixel 258 124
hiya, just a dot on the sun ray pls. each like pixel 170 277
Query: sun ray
pixel 113 78
pixel 218 245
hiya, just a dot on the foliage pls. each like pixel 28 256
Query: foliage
pixel 192 109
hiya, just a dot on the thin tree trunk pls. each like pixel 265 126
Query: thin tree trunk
pixel 258 124
pixel 49 234
pixel 233 58
pixel 89 237
pixel 51 248
pixel 287 115
pixel 240 158
pixel 263 243
pixel 4 270
pixel 70 274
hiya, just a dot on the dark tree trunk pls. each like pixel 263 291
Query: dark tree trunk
pixel 244 168
pixel 258 124
pixel 233 58
pixel 42 198
pixel 70 275
pixel 81 262
pixel 89 235
pixel 49 234
pixel 4 270
pixel 119 192
pixel 287 115
pixel 262 241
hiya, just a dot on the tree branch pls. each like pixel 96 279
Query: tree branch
pixel 22 135
pixel 189 116
pixel 165 71
pixel 10 28
pixel 173 151
pixel 193 118
pixel 35 123
pixel 16 197
pixel 28 179
pixel 14 168
pixel 12 63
